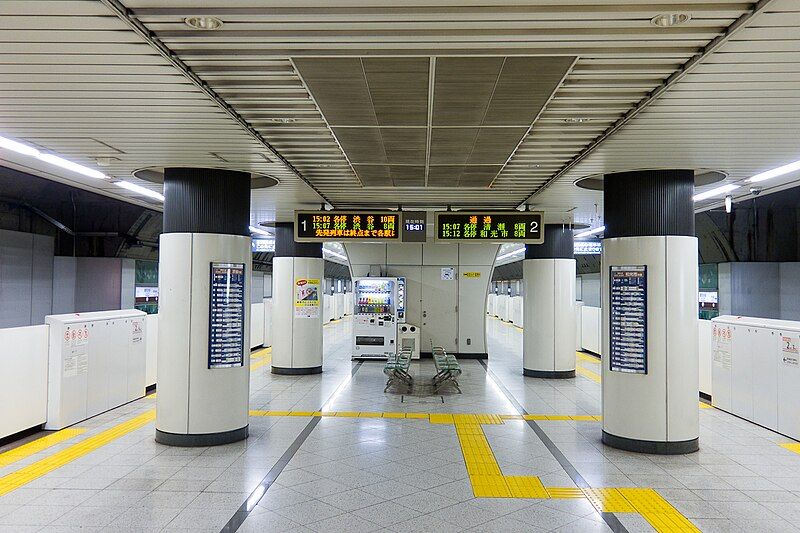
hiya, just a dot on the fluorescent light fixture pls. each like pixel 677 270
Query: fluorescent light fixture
pixel 728 203
pixel 594 231
pixel 335 254
pixel 20 148
pixel 138 189
pixel 69 165
pixel 775 172
pixel 714 192
pixel 260 231
pixel 510 254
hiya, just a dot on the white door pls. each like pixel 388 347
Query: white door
pixel 439 300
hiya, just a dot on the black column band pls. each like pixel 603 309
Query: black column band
pixel 558 244
pixel 548 374
pixel 285 246
pixel 296 371
pixel 202 439
pixel 648 203
pixel 651 447
pixel 206 200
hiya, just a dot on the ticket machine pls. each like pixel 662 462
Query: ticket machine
pixel 375 317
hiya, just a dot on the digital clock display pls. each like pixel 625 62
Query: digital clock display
pixel 323 226
pixel 415 226
pixel 497 226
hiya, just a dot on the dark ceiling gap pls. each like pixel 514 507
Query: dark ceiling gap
pixel 375 114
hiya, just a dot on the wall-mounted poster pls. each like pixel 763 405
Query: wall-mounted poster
pixel 306 298
pixel 628 319
pixel 226 316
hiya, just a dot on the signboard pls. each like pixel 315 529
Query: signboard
pixel 415 227
pixel 306 298
pixel 789 350
pixel 497 226
pixel 472 274
pixel 226 316
pixel 448 274
pixel 325 226
pixel 588 247
pixel 262 245
pixel 628 319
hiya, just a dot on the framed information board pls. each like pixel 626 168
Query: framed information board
pixel 490 226
pixel 226 316
pixel 628 319
pixel 324 226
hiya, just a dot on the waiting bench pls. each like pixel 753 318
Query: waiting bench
pixel 447 369
pixel 396 369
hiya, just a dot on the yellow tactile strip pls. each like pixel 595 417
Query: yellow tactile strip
pixel 36 470
pixel 260 358
pixel 433 418
pixel 792 446
pixel 26 450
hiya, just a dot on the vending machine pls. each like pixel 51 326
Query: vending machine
pixel 375 317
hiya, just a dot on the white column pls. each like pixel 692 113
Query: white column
pixel 296 334
pixel 198 405
pixel 549 318
pixel 655 412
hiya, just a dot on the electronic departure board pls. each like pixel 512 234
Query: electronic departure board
pixel 323 226
pixel 497 226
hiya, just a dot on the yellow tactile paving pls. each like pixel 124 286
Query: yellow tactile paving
pixel 608 500
pixel 526 487
pixel 26 450
pixel 792 446
pixel 438 418
pixel 585 372
pixel 657 511
pixel 586 357
pixel 260 358
pixel 394 415
pixel 564 493
pixel 36 470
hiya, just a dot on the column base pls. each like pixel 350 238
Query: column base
pixel 296 371
pixel 549 374
pixel 652 447
pixel 202 439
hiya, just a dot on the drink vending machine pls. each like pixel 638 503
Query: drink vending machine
pixel 379 305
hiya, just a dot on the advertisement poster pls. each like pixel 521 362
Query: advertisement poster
pixel 306 298
pixel 789 350
pixel 226 316
pixel 628 320
pixel 722 346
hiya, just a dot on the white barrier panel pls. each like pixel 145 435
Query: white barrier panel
pixel 23 381
pixel 327 308
pixel 704 338
pixel 502 306
pixel 96 362
pixel 491 303
pixel 338 305
pixel 349 304
pixel 151 345
pixel 591 320
pixel 756 371
pixel 578 329
pixel 267 322
pixel 256 325
pixel 515 316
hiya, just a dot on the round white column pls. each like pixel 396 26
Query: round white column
pixel 649 220
pixel 548 274
pixel 296 331
pixel 206 214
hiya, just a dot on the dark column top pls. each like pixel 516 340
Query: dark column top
pixel 648 203
pixel 285 246
pixel 558 244
pixel 206 200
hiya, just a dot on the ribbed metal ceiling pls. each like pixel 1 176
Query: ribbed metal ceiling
pixel 95 80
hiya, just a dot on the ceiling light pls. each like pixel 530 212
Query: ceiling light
pixel 590 232
pixel 20 148
pixel 260 231
pixel 667 20
pixel 728 203
pixel 105 161
pixel 714 192
pixel 69 165
pixel 138 189
pixel 576 120
pixel 775 172
pixel 334 254
pixel 510 254
pixel 203 23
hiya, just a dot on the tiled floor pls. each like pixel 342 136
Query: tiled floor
pixel 357 473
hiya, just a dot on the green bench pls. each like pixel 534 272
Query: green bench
pixel 396 369
pixel 447 369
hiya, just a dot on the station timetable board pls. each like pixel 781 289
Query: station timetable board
pixel 628 319
pixel 324 226
pixel 226 315
pixel 490 226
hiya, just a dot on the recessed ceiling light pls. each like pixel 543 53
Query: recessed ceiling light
pixel 667 20
pixel 576 120
pixel 203 23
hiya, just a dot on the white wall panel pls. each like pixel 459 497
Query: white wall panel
pixel 151 353
pixel 257 324
pixel 591 324
pixel 23 382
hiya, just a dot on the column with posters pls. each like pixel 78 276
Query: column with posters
pixel 306 298
pixel 628 319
